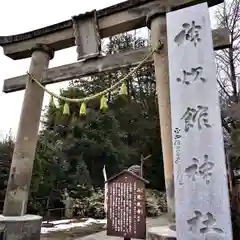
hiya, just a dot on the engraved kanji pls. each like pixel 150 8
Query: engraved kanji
pixel 192 76
pixel 203 224
pixel 177 132
pixel 200 170
pixel 197 115
pixel 210 225
pixel 189 32
pixel 194 221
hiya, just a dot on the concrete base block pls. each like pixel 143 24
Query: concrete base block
pixel 27 227
pixel 164 232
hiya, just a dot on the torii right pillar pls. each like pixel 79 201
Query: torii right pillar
pixel 157 23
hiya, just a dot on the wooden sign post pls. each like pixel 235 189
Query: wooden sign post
pixel 126 216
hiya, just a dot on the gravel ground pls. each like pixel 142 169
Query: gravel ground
pixel 151 222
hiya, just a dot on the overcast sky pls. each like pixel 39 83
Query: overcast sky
pixel 25 15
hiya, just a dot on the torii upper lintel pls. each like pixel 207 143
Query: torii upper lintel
pixel 112 20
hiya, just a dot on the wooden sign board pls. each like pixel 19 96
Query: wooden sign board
pixel 126 208
pixel 201 190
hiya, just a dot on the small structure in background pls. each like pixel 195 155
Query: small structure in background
pixel 68 202
pixel 138 170
pixel 126 211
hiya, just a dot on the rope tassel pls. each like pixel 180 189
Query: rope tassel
pixel 52 103
pixel 66 110
pixel 83 110
pixel 103 103
pixel 123 89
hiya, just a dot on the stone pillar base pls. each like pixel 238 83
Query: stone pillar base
pixel 161 233
pixel 27 227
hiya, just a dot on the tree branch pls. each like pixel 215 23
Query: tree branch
pixel 225 125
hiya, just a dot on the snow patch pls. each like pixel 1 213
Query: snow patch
pixel 67 224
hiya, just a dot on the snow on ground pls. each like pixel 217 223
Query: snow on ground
pixel 66 224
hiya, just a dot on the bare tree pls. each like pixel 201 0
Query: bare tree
pixel 228 64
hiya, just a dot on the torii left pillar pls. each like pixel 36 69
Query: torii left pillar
pixel 14 223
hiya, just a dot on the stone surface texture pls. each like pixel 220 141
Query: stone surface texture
pixel 25 227
pixel 201 191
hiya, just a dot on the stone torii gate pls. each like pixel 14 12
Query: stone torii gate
pixel 85 32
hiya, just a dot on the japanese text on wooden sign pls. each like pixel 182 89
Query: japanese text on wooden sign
pixel 126 206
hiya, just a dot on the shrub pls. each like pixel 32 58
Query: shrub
pixel 93 206
pixel 156 203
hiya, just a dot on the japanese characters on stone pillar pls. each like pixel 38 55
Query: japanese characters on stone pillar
pixel 201 191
